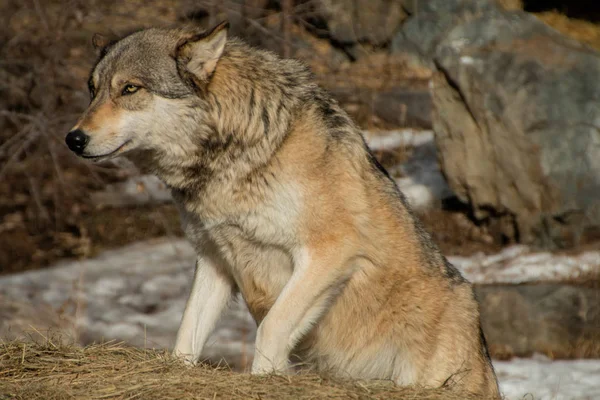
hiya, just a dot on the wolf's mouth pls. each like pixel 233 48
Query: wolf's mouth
pixel 115 152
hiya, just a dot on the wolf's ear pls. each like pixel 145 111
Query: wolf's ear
pixel 102 42
pixel 197 54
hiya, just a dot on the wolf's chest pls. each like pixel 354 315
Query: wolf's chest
pixel 255 253
pixel 260 270
pixel 255 242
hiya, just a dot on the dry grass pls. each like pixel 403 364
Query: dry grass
pixel 49 371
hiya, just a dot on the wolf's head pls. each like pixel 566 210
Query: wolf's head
pixel 146 90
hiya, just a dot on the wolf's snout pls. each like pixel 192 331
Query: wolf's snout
pixel 76 140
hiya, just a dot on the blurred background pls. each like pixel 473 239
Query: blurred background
pixel 486 112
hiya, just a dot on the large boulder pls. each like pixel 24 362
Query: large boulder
pixel 555 319
pixel 516 117
pixel 352 21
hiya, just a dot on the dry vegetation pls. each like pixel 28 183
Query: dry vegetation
pixel 49 370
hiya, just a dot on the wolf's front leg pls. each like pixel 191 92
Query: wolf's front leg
pixel 211 291
pixel 316 278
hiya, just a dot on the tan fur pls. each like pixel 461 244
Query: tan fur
pixel 101 117
pixel 285 204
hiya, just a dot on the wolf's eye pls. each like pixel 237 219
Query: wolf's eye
pixel 92 89
pixel 129 89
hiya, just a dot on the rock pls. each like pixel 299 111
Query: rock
pixel 511 4
pixel 516 118
pixel 396 106
pixel 318 53
pixel 554 319
pixel 413 6
pixel 355 21
pixel 404 107
pixel 393 89
pixel 431 21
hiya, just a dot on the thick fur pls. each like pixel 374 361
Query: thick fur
pixel 284 203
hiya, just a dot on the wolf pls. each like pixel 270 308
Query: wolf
pixel 285 204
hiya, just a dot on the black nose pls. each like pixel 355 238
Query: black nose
pixel 76 140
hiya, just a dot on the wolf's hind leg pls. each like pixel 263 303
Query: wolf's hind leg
pixel 211 291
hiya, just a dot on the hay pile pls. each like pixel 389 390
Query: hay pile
pixel 50 370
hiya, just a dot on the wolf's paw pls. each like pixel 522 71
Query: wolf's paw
pixel 265 366
pixel 187 359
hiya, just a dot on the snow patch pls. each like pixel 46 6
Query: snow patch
pixel 390 140
pixel 467 60
pixel 540 378
pixel 520 264
pixel 421 179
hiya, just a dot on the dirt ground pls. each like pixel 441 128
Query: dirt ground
pixel 45 56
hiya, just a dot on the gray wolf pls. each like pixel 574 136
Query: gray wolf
pixel 286 205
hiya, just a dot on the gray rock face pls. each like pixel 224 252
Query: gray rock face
pixel 372 21
pixel 557 319
pixel 516 116
pixel 432 19
pixel 398 106
pixel 404 107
